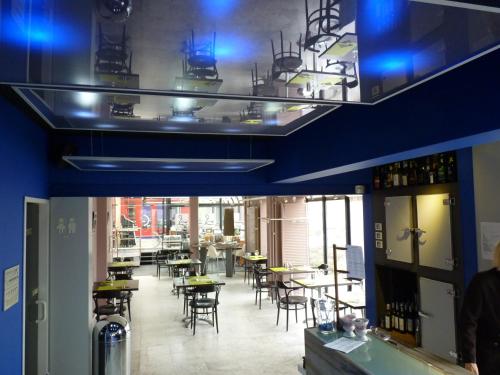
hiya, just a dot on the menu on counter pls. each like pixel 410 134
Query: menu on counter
pixel 344 345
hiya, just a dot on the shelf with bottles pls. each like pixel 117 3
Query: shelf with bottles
pixel 397 304
pixel 428 170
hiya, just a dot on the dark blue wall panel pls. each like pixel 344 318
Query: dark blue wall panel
pixel 23 167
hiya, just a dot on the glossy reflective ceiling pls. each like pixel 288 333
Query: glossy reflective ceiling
pixel 118 164
pixel 258 67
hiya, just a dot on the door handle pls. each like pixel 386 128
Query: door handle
pixel 44 310
pixel 424 315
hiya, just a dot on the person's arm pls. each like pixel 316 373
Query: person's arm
pixel 469 318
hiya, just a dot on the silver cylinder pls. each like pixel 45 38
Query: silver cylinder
pixel 111 347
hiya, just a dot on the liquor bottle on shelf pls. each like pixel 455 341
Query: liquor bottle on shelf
pixel 387 317
pixel 412 173
pixel 410 326
pixel 393 316
pixel 376 178
pixel 421 176
pixel 441 172
pixel 404 174
pixel 396 177
pixel 451 173
pixel 402 318
pixel 388 178
pixel 431 172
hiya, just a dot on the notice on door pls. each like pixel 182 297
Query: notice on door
pixel 490 236
pixel 11 287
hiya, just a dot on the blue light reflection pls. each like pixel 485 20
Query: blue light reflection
pixel 41 33
pixel 395 62
pixel 383 16
pixel 218 8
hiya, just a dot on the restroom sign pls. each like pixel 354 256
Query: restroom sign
pixel 10 287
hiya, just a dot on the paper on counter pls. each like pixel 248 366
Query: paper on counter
pixel 344 345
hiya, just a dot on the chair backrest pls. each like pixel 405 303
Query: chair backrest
pixel 212 251
pixel 123 276
pixel 206 289
pixel 259 277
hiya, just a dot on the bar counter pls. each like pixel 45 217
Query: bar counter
pixel 376 357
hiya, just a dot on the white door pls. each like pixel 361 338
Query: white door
pixel 36 287
pixel 434 231
pixel 437 317
pixel 398 221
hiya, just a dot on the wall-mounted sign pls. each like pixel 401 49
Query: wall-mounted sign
pixel 10 287
pixel 490 236
pixel 378 235
pixel 378 226
pixel 379 244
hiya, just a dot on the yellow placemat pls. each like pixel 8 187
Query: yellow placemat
pixel 103 288
pixel 194 282
pixel 121 264
pixel 256 257
pixel 279 269
pixel 184 261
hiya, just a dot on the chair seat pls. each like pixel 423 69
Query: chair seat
pixel 293 300
pixel 203 303
pixel 267 285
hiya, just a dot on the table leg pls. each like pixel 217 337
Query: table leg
pixel 229 263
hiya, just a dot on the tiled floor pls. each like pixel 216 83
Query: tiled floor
pixel 249 342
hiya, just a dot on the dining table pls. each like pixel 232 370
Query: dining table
pixel 194 281
pixel 115 286
pixel 184 263
pixel 123 266
pixel 319 282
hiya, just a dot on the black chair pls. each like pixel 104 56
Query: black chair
pixel 323 267
pixel 288 302
pixel 262 284
pixel 258 265
pixel 161 259
pixel 108 303
pixel 202 305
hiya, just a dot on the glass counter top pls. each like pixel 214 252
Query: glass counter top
pixel 384 358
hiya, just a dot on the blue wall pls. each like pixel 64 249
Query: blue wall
pixel 24 172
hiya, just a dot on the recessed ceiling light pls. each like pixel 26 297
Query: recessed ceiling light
pixel 171 128
pixel 104 165
pixel 84 114
pixel 232 130
pixel 234 167
pixel 106 126
pixel 86 99
pixel 173 167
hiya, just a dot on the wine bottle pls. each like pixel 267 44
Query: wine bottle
pixel 376 179
pixel 410 328
pixel 395 324
pixel 431 176
pixel 412 173
pixel 441 172
pixel 402 318
pixel 421 173
pixel 388 178
pixel 451 175
pixel 393 315
pixel 387 317
pixel 396 177
pixel 404 174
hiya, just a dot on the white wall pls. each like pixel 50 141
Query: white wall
pixel 71 275
pixel 486 190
